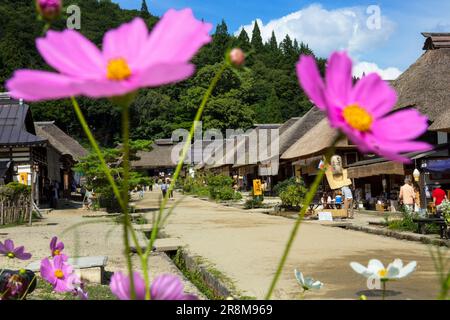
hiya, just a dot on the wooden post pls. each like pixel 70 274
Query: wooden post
pixel 32 194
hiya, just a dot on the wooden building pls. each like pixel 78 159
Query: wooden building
pixel 63 152
pixel 23 156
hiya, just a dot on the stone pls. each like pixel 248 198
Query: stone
pixel 163 245
pixel 91 269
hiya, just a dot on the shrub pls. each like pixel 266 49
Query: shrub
pixel 220 187
pixel 292 196
pixel 107 199
pixel 282 186
pixel 445 207
pixel 405 224
pixel 224 193
pixel 254 202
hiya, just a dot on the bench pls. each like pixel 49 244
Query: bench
pixel 422 222
pixel 97 263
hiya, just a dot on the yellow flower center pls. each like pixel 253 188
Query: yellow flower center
pixel 357 117
pixel 11 255
pixel 59 274
pixel 118 69
pixel 382 273
pixel 56 252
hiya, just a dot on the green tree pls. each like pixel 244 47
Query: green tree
pixel 257 42
pixel 243 41
pixel 145 13
pixel 270 111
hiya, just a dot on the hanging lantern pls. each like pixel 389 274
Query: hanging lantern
pixel 416 175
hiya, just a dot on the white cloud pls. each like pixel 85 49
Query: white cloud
pixel 328 30
pixel 367 67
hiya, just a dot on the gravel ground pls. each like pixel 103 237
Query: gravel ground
pixel 89 239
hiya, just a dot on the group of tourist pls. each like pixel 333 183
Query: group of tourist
pixel 409 197
pixel 164 185
pixel 339 199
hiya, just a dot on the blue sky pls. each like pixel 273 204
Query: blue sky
pixel 329 25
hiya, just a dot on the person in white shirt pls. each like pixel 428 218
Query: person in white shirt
pixel 348 201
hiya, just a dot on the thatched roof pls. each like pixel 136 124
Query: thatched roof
pixel 61 141
pixel 161 154
pixel 426 86
pixel 314 142
pixel 300 127
pixel 159 157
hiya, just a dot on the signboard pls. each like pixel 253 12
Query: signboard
pixel 23 178
pixel 257 187
pixel 325 216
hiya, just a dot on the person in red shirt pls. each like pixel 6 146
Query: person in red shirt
pixel 438 195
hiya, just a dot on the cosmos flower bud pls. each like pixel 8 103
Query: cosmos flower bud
pixel 49 10
pixel 237 57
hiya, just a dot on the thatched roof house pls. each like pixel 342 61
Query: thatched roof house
pixel 159 157
pixel 291 133
pixel 426 83
pixel 315 142
pixel 58 139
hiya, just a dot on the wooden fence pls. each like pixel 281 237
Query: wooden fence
pixel 15 211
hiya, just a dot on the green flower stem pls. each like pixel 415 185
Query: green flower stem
pixel 125 187
pixel 308 199
pixel 97 150
pixel 123 204
pixel 178 170
pixel 105 167
pixel 383 294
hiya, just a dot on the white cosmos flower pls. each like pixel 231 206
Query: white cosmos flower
pixel 376 269
pixel 307 283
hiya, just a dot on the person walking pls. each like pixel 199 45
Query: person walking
pixel 348 201
pixel 407 196
pixel 164 188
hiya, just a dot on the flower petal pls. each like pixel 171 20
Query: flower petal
pixel 401 125
pixel 53 244
pixel 375 265
pixel 102 88
pixel 47 271
pixel 3 248
pixel 358 268
pixel 392 150
pixel 161 74
pixel 167 287
pixel 40 85
pixel 311 81
pixel 71 53
pixel 374 94
pixel 20 253
pixel 339 79
pixel 126 42
pixel 176 38
pixel 392 272
pixel 9 245
pixel 299 277
pixel 120 286
pixel 409 268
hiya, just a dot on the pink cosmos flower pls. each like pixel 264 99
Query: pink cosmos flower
pixel 131 59
pixel 59 274
pixel 56 248
pixel 49 9
pixel 8 250
pixel 363 111
pixel 164 287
